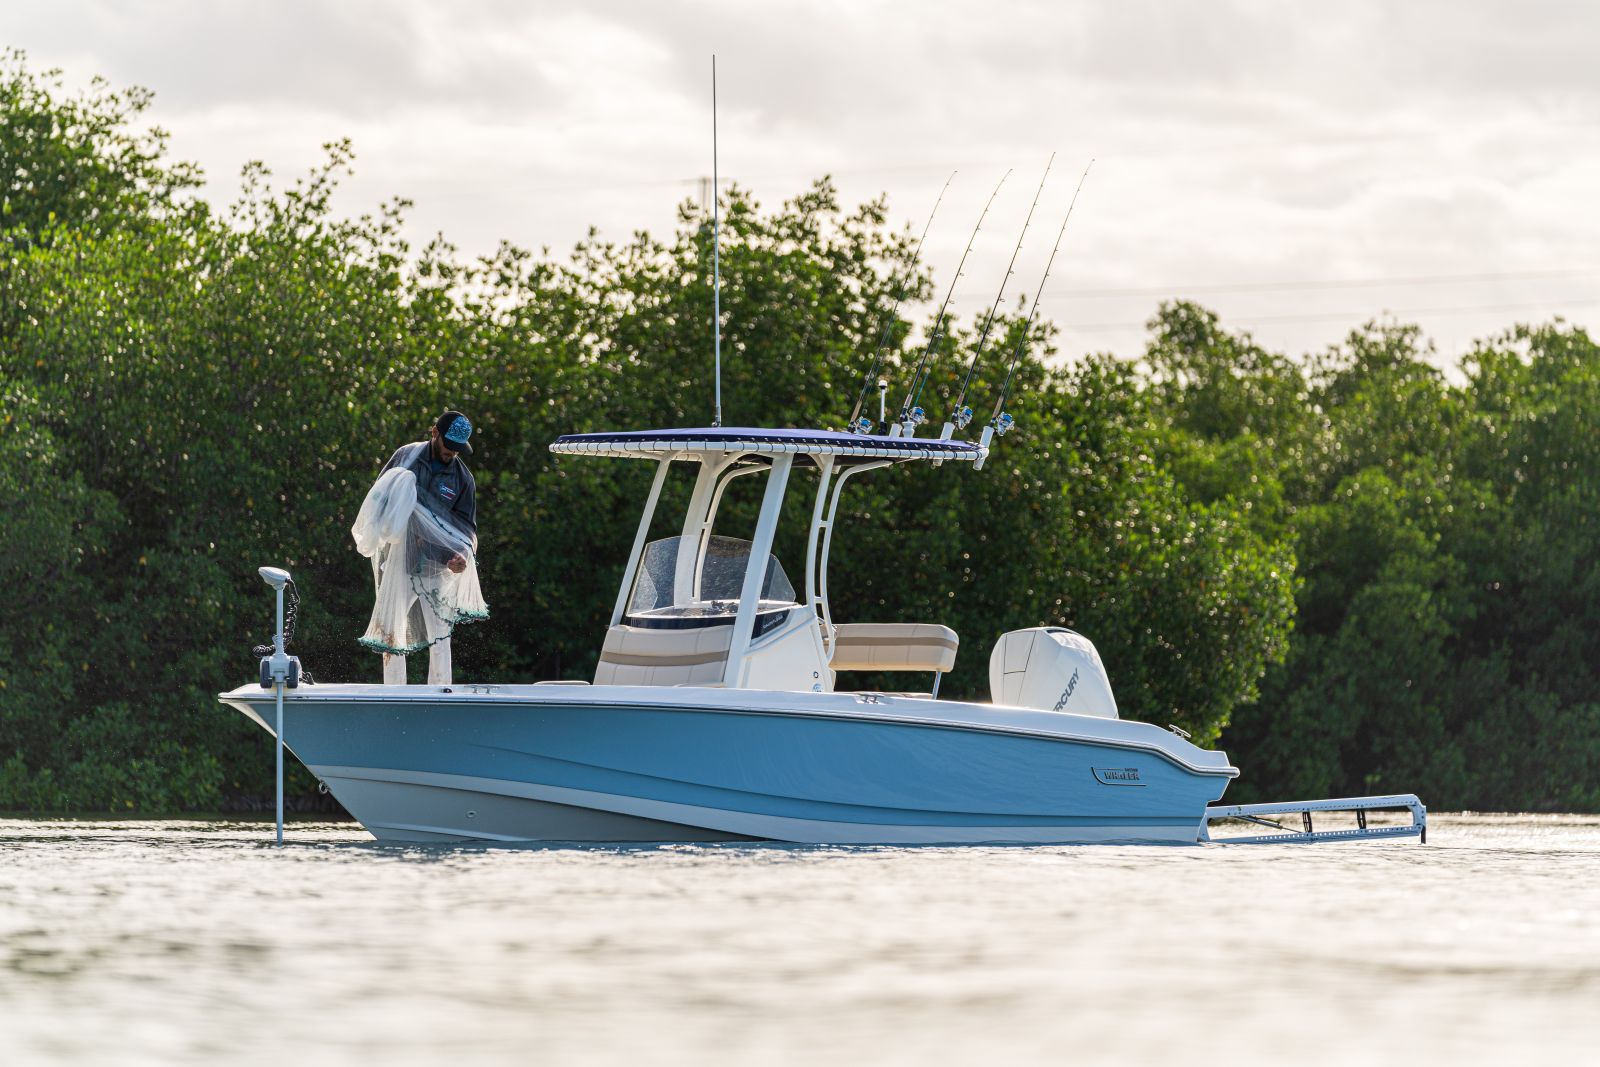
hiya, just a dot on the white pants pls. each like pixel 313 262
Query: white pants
pixel 394 665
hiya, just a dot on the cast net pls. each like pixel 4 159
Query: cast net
pixel 424 565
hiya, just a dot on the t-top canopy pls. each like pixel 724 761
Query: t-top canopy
pixel 692 443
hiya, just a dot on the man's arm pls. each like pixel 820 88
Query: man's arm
pixel 466 505
pixel 394 460
pixel 465 511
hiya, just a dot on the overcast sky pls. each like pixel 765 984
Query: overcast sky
pixel 1299 167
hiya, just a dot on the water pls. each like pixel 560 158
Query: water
pixel 175 942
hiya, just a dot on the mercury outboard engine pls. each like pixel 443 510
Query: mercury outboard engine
pixel 1052 669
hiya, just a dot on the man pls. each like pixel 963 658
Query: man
pixel 446 488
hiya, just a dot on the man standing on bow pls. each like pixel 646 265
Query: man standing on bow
pixel 446 489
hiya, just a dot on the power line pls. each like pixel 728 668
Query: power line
pixel 605 185
pixel 1271 320
pixel 1326 283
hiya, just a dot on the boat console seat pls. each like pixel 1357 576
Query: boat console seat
pixel 894 646
pixel 639 655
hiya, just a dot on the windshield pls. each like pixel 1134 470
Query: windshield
pixel 713 591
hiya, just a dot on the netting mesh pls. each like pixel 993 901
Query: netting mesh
pixel 425 568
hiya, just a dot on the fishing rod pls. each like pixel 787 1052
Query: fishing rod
pixel 960 414
pixel 857 424
pixel 1000 422
pixel 910 415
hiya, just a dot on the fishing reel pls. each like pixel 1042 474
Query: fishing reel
pixel 916 416
pixel 1003 423
pixel 863 425
pixel 962 416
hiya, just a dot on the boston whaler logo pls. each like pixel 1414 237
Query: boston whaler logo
pixel 1066 694
pixel 1117 775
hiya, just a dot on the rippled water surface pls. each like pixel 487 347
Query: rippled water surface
pixel 170 942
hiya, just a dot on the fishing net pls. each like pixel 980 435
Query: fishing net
pixel 422 598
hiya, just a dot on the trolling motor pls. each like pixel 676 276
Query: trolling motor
pixel 278 666
pixel 279 671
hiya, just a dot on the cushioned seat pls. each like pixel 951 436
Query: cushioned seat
pixel 638 655
pixel 894 646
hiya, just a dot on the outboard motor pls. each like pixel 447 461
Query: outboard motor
pixel 1052 669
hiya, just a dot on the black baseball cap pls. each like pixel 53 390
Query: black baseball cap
pixel 454 430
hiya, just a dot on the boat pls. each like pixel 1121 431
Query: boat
pixel 713 714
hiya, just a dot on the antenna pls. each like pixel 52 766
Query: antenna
pixel 960 414
pixel 854 425
pixel 911 415
pixel 1000 422
pixel 716 249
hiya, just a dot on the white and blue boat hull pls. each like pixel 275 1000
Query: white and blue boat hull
pixel 614 763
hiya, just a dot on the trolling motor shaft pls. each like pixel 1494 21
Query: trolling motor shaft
pixel 279 671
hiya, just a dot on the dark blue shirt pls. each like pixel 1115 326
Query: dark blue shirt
pixel 446 489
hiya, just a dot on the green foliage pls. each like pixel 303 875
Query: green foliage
pixel 77 163
pixel 1446 618
pixel 1356 573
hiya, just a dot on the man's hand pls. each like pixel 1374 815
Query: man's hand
pixel 457 564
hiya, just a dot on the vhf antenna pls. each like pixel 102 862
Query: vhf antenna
pixel 911 416
pixel 858 423
pixel 716 249
pixel 960 414
pixel 1000 422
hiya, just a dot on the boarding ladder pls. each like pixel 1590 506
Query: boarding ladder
pixel 1306 833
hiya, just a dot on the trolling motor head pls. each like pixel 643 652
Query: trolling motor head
pixel 278 668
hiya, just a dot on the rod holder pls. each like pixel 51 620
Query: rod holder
pixel 986 436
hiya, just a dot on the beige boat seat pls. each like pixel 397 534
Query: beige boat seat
pixel 639 655
pixel 894 646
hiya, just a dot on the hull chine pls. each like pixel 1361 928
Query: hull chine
pixel 399 807
pixel 418 806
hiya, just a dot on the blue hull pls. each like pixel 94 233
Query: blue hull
pixel 585 770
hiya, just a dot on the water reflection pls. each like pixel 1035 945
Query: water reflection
pixel 189 941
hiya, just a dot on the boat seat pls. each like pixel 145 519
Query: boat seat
pixel 639 655
pixel 894 646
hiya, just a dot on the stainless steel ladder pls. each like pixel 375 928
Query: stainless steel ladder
pixel 1306 833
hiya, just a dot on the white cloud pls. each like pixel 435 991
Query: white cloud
pixel 1237 142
